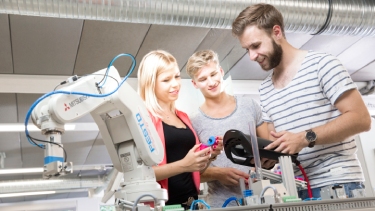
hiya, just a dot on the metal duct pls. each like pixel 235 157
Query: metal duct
pixel 334 17
pixel 15 186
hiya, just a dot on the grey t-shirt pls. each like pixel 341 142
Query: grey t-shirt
pixel 246 111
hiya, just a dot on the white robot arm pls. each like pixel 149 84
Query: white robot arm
pixel 130 136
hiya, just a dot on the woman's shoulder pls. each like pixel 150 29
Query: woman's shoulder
pixel 181 114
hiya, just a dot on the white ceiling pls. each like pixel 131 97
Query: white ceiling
pixel 63 47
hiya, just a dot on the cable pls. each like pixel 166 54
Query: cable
pixel 266 188
pixel 64 82
pixel 307 180
pixel 56 87
pixel 35 139
pixel 32 142
pixel 103 75
pixel 230 199
pixel 201 201
pixel 69 80
pixel 140 197
pixel 312 199
pixel 110 64
pixel 78 93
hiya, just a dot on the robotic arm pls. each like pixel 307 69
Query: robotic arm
pixel 130 136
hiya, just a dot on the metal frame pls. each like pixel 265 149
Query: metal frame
pixel 326 205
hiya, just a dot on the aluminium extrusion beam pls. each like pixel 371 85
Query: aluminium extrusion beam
pixel 278 178
pixel 353 204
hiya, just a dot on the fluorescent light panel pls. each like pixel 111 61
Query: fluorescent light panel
pixel 21 171
pixel 32 182
pixel 26 194
pixel 19 127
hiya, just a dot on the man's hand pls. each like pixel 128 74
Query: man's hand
pixel 288 142
pixel 231 176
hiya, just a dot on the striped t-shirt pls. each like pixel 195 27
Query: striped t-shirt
pixel 307 102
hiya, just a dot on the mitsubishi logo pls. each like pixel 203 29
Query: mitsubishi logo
pixel 66 107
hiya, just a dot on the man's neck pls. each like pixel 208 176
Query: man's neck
pixel 291 61
pixel 217 101
pixel 220 106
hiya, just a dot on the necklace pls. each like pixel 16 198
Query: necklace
pixel 166 115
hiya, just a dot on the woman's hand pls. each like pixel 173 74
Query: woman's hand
pixel 196 160
pixel 217 149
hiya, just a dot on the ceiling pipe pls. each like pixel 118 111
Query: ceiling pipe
pixel 330 17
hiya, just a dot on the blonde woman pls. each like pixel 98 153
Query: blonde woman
pixel 158 85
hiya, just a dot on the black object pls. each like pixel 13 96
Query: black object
pixel 311 137
pixel 239 144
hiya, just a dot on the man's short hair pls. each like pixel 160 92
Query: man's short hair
pixel 264 16
pixel 199 60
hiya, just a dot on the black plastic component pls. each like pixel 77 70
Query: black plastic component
pixel 239 144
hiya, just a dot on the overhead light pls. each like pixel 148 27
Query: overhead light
pixel 26 193
pixel 19 127
pixel 21 171
pixel 101 167
pixel 32 182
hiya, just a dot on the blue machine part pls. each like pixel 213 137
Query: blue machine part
pixel 51 159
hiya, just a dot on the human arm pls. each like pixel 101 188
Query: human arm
pixel 193 161
pixel 354 119
pixel 262 131
pixel 226 176
pixel 350 118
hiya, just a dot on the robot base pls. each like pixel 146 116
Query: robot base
pixel 132 192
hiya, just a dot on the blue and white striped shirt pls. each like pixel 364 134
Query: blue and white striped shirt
pixel 307 102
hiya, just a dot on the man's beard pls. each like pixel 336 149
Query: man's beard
pixel 275 57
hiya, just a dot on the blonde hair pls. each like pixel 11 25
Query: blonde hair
pixel 264 16
pixel 200 59
pixel 150 67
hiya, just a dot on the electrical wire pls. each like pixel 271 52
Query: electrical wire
pixel 49 142
pixel 62 83
pixel 28 114
pixel 201 201
pixel 102 75
pixel 230 199
pixel 31 139
pixel 110 64
pixel 56 87
pixel 140 197
pixel 307 180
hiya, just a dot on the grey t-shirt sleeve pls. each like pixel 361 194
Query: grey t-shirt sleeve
pixel 255 109
pixel 258 113
pixel 195 120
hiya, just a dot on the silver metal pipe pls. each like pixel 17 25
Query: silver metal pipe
pixel 333 17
